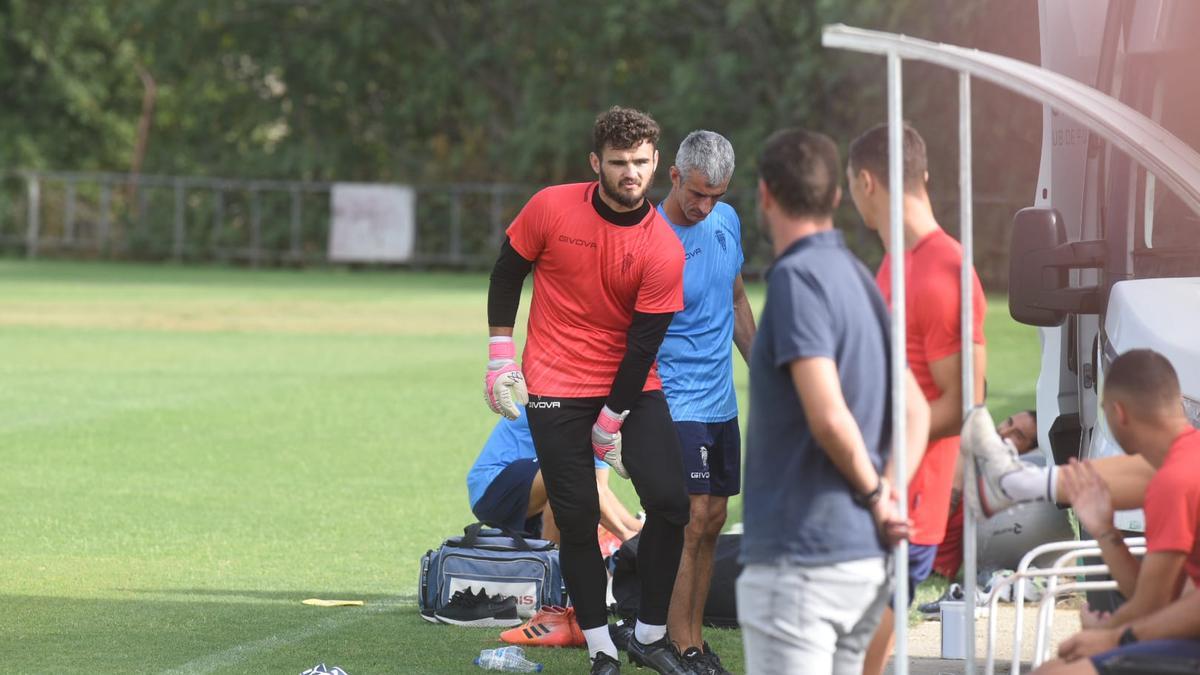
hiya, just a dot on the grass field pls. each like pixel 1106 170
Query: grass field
pixel 190 452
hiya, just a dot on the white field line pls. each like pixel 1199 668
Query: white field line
pixel 343 616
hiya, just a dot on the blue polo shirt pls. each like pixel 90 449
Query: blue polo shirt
pixel 821 302
pixel 695 360
pixel 510 440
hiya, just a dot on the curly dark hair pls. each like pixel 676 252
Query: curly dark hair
pixel 623 128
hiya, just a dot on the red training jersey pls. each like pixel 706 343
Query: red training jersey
pixel 932 270
pixel 1172 503
pixel 589 276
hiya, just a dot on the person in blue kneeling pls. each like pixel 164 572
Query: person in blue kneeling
pixel 505 487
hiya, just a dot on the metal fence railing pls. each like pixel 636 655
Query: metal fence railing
pixel 267 222
pixel 279 222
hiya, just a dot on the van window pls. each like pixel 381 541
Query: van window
pixel 1168 240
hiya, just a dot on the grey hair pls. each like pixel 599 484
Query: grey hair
pixel 708 152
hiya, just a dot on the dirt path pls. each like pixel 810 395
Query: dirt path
pixel 925 641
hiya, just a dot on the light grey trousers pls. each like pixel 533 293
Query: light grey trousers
pixel 810 619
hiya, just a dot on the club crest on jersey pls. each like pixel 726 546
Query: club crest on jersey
pixel 721 240
pixel 626 263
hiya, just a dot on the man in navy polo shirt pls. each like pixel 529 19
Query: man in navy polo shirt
pixel 819 517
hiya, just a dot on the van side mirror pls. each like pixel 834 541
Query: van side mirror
pixel 1039 292
pixel 1034 229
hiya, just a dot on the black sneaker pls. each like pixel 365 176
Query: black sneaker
pixel 933 608
pixel 620 632
pixel 714 661
pixel 603 664
pixel 660 656
pixel 696 661
pixel 478 610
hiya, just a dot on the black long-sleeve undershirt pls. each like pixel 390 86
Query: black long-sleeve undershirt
pixel 504 293
pixel 646 333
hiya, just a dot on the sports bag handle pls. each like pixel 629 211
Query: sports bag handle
pixel 471 534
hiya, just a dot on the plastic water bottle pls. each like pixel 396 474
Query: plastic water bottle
pixel 507 659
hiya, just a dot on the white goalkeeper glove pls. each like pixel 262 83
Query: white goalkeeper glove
pixel 504 384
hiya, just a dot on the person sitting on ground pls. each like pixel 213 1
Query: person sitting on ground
pixel 1143 408
pixel 506 489
pixel 1019 429
pixel 1010 480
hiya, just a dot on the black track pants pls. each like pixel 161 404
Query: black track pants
pixel 562 429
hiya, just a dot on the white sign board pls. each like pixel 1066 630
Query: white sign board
pixel 372 223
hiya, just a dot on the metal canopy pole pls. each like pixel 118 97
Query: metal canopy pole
pixel 966 215
pixel 899 351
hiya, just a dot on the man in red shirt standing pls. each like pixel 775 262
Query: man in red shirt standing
pixel 933 263
pixel 607 280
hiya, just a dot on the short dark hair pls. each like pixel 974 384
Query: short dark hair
pixel 801 171
pixel 1033 442
pixel 1146 378
pixel 623 128
pixel 870 152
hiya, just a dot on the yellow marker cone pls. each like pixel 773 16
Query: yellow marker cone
pixel 333 603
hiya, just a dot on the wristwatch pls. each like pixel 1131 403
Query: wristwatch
pixel 1127 637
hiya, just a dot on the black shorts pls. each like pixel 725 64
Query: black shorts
pixel 712 457
pixel 506 499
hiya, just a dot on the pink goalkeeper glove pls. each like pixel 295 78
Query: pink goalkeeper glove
pixel 606 439
pixel 504 384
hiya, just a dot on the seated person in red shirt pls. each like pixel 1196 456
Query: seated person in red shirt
pixel 1168 638
pixel 1143 408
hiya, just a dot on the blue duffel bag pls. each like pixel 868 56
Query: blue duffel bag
pixel 501 562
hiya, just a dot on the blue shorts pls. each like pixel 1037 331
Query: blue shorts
pixel 1155 656
pixel 920 566
pixel 712 457
pixel 506 499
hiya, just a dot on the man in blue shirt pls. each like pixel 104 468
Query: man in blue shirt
pixel 695 362
pixel 818 515
pixel 505 487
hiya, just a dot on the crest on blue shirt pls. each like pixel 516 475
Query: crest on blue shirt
pixel 721 239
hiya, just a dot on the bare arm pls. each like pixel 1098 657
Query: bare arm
pixel 946 411
pixel 743 319
pixel 916 428
pixel 1122 566
pixel 612 512
pixel 832 424
pixel 1092 501
pixel 1158 581
pixel 1178 620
